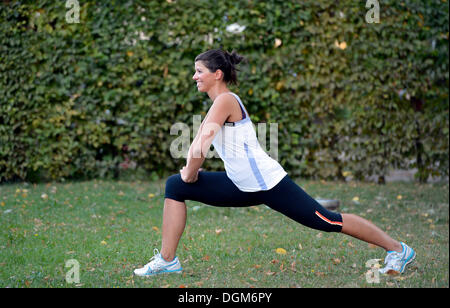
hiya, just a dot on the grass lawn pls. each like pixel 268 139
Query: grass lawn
pixel 111 228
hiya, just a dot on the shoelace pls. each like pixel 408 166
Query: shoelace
pixel 155 262
pixel 393 259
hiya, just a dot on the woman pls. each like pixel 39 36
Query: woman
pixel 251 176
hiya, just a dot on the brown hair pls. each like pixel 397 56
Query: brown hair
pixel 218 59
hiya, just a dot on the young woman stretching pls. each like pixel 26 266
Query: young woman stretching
pixel 251 177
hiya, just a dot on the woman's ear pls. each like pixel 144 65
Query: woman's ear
pixel 219 75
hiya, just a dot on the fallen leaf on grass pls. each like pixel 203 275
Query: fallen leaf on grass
pixel 392 272
pixel 396 275
pixel 293 267
pixel 206 258
pixel 199 283
pixel 281 251
pixel 319 274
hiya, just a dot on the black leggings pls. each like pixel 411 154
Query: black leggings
pixel 215 188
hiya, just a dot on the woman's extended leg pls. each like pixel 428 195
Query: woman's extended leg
pixel 364 230
pixel 291 200
pixel 174 221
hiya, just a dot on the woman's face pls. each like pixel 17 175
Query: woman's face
pixel 204 78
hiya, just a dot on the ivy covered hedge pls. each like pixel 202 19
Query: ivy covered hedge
pixel 351 98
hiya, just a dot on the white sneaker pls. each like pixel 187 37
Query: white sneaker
pixel 397 261
pixel 158 265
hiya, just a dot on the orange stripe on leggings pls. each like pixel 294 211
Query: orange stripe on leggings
pixel 327 220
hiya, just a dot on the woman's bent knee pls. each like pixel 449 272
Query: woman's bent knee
pixel 174 187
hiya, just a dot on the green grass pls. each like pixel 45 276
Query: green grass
pixel 110 228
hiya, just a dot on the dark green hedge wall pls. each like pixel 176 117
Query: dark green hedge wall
pixel 82 100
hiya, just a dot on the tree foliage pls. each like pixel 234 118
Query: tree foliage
pixel 78 99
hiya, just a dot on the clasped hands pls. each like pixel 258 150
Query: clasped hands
pixel 189 177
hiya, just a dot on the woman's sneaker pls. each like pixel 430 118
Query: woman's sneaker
pixel 397 261
pixel 158 265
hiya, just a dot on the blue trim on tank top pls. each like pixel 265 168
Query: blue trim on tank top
pixel 255 169
pixel 245 116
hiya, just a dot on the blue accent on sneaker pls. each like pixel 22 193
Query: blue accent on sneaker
pixel 409 258
pixel 158 265
pixel 397 261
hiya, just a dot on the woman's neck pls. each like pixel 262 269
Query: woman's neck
pixel 216 91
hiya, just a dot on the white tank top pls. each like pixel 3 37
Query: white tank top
pixel 247 165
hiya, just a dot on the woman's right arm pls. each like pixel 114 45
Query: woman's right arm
pixel 217 115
